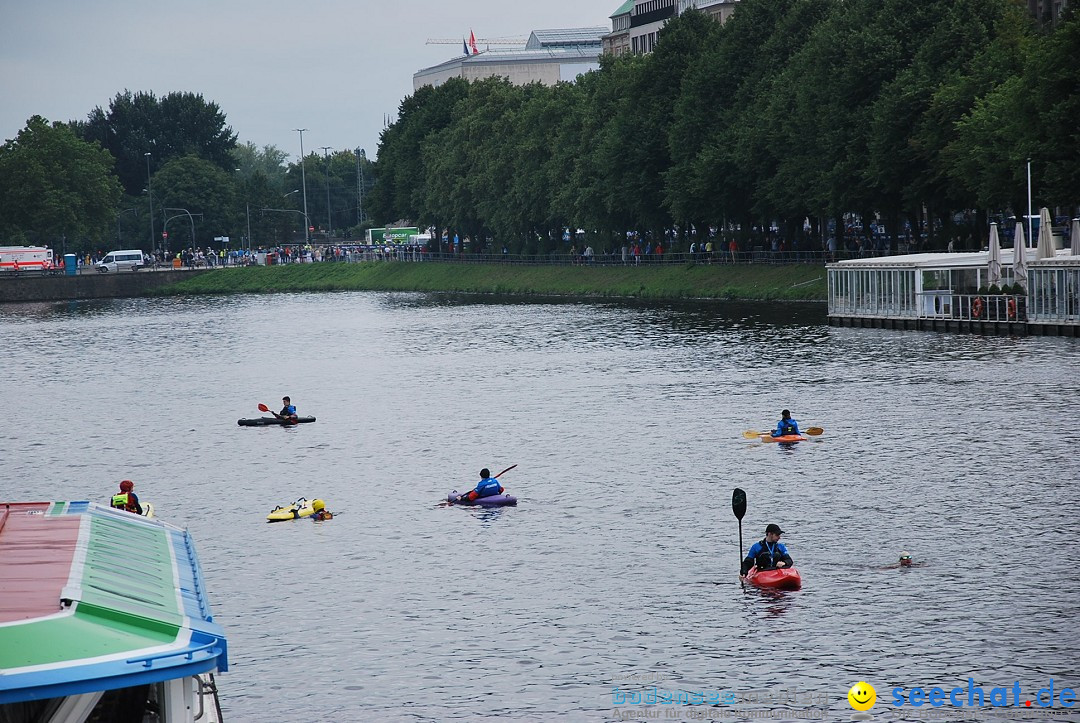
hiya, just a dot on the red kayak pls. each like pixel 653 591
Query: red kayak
pixel 786 578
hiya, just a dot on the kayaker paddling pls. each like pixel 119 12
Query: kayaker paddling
pixel 786 426
pixel 486 487
pixel 767 554
pixel 288 411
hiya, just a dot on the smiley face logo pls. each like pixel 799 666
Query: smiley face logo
pixel 862 696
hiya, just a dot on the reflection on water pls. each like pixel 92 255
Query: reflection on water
pixel 626 421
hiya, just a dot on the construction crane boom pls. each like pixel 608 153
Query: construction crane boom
pixel 486 41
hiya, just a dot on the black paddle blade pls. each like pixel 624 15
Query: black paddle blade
pixel 738 503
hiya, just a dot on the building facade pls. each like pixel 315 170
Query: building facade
pixel 1047 10
pixel 549 56
pixel 636 25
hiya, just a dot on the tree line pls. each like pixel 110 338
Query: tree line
pixel 89 185
pixel 793 111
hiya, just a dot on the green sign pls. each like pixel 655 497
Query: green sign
pixel 391 235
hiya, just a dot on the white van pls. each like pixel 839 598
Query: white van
pixel 121 260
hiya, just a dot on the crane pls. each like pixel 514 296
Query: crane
pixel 479 41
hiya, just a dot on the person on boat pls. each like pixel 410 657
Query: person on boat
pixel 321 513
pixel 288 411
pixel 486 487
pixel 127 499
pixel 769 553
pixel 786 425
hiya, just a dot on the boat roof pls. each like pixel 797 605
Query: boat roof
pixel 956 260
pixel 93 598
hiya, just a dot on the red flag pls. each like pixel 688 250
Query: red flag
pixel 472 42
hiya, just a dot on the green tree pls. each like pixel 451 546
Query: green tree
pixel 199 187
pixel 56 188
pixel 179 124
pixel 402 178
pixel 248 159
pixel 1052 75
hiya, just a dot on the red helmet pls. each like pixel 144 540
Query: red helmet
pixel 127 485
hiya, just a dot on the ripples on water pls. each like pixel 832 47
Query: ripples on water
pixel 619 564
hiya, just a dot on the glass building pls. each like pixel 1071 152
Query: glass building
pixel 953 286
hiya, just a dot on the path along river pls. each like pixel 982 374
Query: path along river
pixel 615 575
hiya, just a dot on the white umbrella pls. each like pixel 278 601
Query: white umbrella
pixel 993 275
pixel 1075 237
pixel 1020 256
pixel 1045 249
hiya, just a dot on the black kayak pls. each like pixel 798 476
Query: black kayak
pixel 265 421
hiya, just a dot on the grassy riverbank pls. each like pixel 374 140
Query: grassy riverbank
pixel 796 282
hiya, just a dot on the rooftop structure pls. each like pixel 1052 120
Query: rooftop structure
pixel 549 56
pixel 102 610
pixel 636 24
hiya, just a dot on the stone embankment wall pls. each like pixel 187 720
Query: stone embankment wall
pixel 31 286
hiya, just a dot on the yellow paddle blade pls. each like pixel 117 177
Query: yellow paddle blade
pixel 751 434
pixel 814 431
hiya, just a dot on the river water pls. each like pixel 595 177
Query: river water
pixel 616 574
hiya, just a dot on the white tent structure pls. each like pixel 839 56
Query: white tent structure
pixel 1020 275
pixel 1045 249
pixel 993 275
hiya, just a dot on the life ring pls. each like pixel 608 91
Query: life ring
pixel 977 308
pixel 1011 306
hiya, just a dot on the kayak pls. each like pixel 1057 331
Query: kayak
pixel 489 501
pixel 301 508
pixel 787 578
pixel 265 421
pixel 789 438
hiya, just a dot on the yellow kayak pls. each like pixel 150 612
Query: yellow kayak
pixel 301 508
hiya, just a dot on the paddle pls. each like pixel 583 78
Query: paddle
pixel 754 434
pixel 505 471
pixel 738 506
pixel 264 408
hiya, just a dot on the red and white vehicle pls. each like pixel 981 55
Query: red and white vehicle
pixel 26 258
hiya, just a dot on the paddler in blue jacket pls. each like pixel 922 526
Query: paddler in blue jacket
pixel 786 425
pixel 486 487
pixel 768 554
pixel 288 411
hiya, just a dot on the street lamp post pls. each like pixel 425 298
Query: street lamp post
pixel 1030 238
pixel 360 186
pixel 182 212
pixel 150 194
pixel 287 210
pixel 303 181
pixel 119 242
pixel 329 223
pixel 293 210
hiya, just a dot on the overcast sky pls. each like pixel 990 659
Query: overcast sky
pixel 334 67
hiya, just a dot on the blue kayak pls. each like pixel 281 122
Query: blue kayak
pixel 489 501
